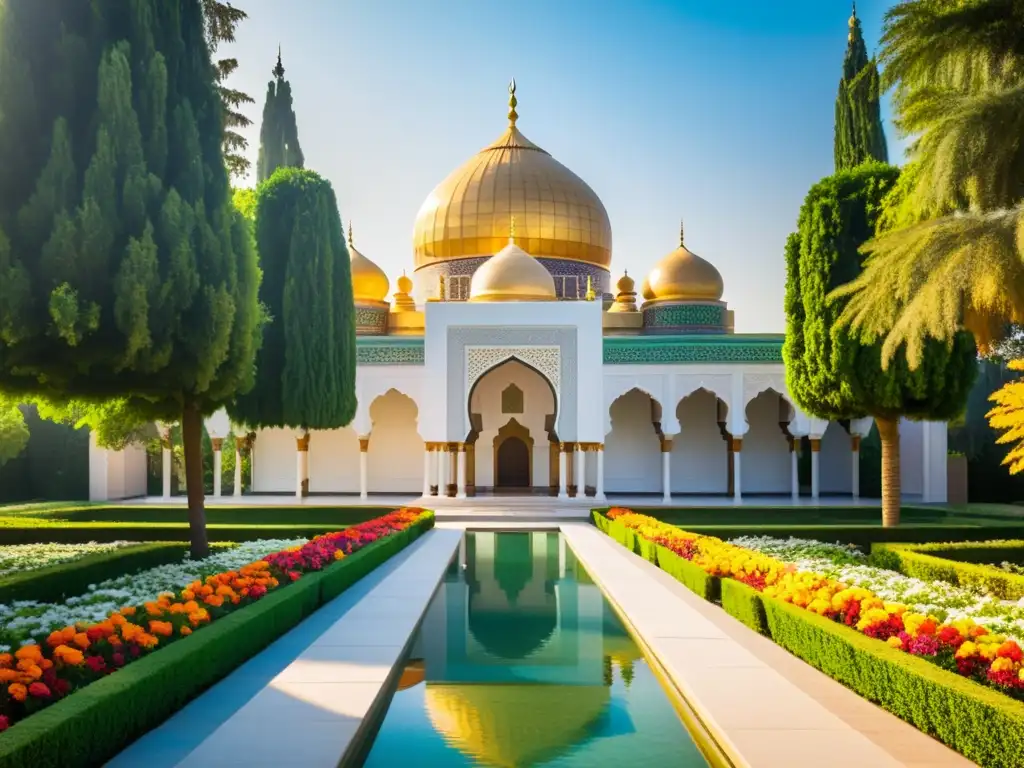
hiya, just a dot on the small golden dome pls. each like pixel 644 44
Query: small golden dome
pixel 560 216
pixel 512 275
pixel 402 301
pixel 369 283
pixel 625 298
pixel 405 283
pixel 625 284
pixel 683 276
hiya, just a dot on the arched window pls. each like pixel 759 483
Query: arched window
pixel 512 399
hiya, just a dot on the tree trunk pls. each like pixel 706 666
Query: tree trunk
pixel 192 439
pixel 889 432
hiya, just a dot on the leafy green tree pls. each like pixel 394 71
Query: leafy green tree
pixel 125 273
pixel 859 135
pixel 955 260
pixel 244 200
pixel 279 133
pixel 221 20
pixel 829 372
pixel 307 361
pixel 116 423
pixel 13 430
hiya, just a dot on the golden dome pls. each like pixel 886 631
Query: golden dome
pixel 512 275
pixel 625 284
pixel 467 214
pixel 625 297
pixel 405 284
pixel 683 276
pixel 369 283
pixel 514 725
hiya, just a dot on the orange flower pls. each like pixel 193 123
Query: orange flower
pixel 215 600
pixel 187 594
pixel 81 640
pixel 8 675
pixel 17 691
pixel 32 652
pixel 6 659
pixel 164 628
pixel 225 591
pixel 146 640
pixel 128 610
pixel 191 606
pixel 186 631
pixel 154 609
pixel 30 668
pixel 114 640
pixel 68 655
pixel 55 638
pixel 117 619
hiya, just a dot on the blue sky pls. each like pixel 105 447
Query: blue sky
pixel 720 112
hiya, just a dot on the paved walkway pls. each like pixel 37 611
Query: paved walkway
pixel 772 708
pixel 324 675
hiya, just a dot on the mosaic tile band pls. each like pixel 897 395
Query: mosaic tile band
pixel 570 278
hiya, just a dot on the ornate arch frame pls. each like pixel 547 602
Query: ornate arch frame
pixel 513 428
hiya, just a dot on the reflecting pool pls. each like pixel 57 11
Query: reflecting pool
pixel 521 662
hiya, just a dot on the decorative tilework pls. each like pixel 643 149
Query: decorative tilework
pixel 426 278
pixel 385 351
pixel 547 360
pixel 459 338
pixel 724 348
pixel 685 316
pixel 371 321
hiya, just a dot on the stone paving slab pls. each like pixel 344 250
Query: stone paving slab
pixel 765 710
pixel 313 710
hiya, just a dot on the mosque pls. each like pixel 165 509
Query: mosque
pixel 510 362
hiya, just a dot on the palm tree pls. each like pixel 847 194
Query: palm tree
pixel 950 249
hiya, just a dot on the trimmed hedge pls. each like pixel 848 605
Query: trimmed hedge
pixel 982 724
pixel 55 582
pixel 107 532
pixel 744 604
pixel 964 564
pixel 94 724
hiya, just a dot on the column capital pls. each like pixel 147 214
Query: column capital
pixel 815 444
pixel 666 444
pixel 855 442
pixel 364 444
pixel 461 447
pixel 737 444
pixel 565 447
pixel 217 443
pixel 302 443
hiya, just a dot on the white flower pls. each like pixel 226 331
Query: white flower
pixel 27 557
pixel 27 620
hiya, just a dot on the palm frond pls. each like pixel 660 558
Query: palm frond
pixel 970 149
pixel 1008 417
pixel 934 278
pixel 954 43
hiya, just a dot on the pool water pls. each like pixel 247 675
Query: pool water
pixel 519 662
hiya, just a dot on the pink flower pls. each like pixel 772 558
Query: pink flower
pixel 39 690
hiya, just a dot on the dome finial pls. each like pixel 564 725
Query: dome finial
pixel 512 229
pixel 853 15
pixel 681 233
pixel 278 71
pixel 350 243
pixel 512 103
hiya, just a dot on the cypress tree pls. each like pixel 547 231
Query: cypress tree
pixel 307 359
pixel 279 133
pixel 125 273
pixel 859 135
pixel 829 372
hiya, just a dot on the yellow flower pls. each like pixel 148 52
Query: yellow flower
pixel 338 554
pixel 966 650
pixel 895 642
pixel 1002 665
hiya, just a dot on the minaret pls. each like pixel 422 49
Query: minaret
pixel 278 71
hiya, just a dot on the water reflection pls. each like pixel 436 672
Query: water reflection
pixel 521 662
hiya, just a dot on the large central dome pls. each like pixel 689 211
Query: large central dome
pixel 557 215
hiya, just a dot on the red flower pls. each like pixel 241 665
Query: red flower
pixel 95 663
pixel 61 687
pixel 1010 650
pixel 4 723
pixel 118 659
pixel 39 690
pixel 294 575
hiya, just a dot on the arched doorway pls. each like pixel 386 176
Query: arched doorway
pixel 513 451
pixel 512 411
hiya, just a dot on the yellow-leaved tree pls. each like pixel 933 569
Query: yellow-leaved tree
pixel 1008 417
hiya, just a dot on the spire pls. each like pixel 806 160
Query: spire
pixel 681 237
pixel 512 102
pixel 512 230
pixel 278 71
pixel 854 22
pixel 590 295
pixel 350 243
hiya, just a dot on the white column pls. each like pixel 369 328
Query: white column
pixel 238 465
pixel 737 469
pixel 794 468
pixel 580 474
pixel 460 457
pixel 666 469
pixel 166 468
pixel 599 495
pixel 427 450
pixel 442 476
pixel 364 446
pixel 218 464
pixel 815 467
pixel 301 454
pixel 563 492
pixel 855 465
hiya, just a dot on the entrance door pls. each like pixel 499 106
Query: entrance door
pixel 513 464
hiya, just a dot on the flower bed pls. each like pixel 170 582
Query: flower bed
pixel 933 597
pixel 970 565
pixel 26 557
pixel 38 674
pixel 955 681
pixel 960 645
